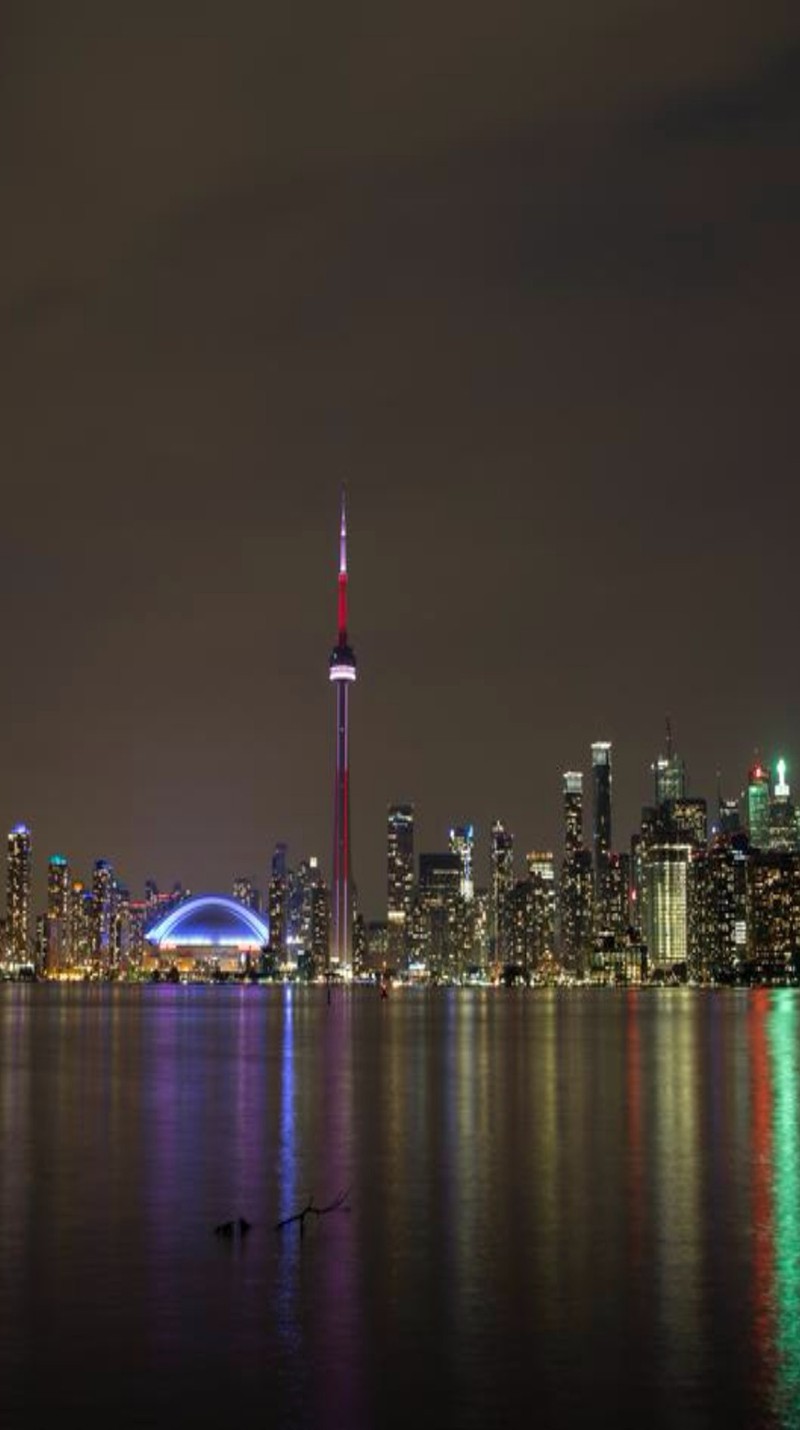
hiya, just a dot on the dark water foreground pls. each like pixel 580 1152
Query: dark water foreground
pixel 566 1208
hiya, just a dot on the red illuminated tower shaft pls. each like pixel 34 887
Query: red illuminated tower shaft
pixel 342 673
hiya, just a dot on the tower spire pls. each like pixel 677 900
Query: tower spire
pixel 342 671
pixel 342 621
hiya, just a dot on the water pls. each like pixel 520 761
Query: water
pixel 564 1207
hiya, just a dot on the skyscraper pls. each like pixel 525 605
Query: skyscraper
pixel 575 887
pixel 59 914
pixel 103 901
pixel 601 826
pixel 462 843
pixel 342 671
pixel 758 800
pixel 670 773
pixel 501 873
pixel 18 894
pixel 399 878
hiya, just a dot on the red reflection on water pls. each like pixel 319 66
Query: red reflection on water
pixel 763 1228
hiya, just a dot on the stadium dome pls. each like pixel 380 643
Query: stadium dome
pixel 211 923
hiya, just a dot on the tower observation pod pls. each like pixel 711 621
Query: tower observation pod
pixel 342 672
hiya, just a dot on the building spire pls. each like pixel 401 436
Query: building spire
pixel 343 572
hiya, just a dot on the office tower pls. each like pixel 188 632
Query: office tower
pixel 666 923
pixel 575 896
pixel 718 900
pixel 440 904
pixel 342 671
pixel 399 880
pixel 757 806
pixel 462 843
pixel 542 880
pixel 308 917
pixel 18 894
pixel 103 915
pixel 782 822
pixel 670 774
pixel 685 821
pixel 501 874
pixel 729 820
pixel 573 812
pixel 773 930
pixel 58 919
pixel 601 826
pixel 81 924
pixel 277 896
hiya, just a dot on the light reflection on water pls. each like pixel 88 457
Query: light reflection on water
pixel 564 1206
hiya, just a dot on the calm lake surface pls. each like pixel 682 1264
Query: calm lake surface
pixel 565 1208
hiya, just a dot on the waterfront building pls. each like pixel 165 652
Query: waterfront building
pixel 757 806
pixel 501 873
pixel 82 923
pixel 462 843
pixel 58 918
pixel 667 906
pixel 670 774
pixel 601 827
pixel 246 892
pixel 718 909
pixel 207 936
pixel 782 819
pixel 542 881
pixel 342 672
pixel 399 880
pixel 440 905
pixel 18 894
pixel 576 882
pixel 774 914
pixel 103 899
pixel 277 896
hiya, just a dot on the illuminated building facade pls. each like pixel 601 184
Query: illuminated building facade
pixel 601 828
pixel 103 916
pixel 277 898
pixel 18 895
pixel 576 884
pixel 501 875
pixel 757 804
pixel 440 904
pixel 399 880
pixel 58 918
pixel 342 672
pixel 782 824
pixel 207 935
pixel 462 843
pixel 667 906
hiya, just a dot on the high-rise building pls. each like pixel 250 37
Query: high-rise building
pixel 757 806
pixel 342 671
pixel 18 894
pixel 601 826
pixel 782 824
pixel 103 915
pixel 501 875
pixel 399 880
pixel 542 880
pixel 441 905
pixel 670 773
pixel 575 895
pixel 58 919
pixel 245 892
pixel 462 843
pixel 277 896
pixel 667 906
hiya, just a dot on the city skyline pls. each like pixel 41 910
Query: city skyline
pixel 525 281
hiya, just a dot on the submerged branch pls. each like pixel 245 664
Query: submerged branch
pixel 338 1204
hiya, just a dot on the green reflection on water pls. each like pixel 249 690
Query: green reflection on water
pixel 783 1034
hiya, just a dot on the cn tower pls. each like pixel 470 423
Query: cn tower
pixel 342 673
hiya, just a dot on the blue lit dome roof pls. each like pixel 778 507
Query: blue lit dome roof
pixel 210 920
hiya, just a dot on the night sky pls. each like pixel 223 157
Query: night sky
pixel 525 278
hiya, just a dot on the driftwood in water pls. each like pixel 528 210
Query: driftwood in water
pixel 338 1204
